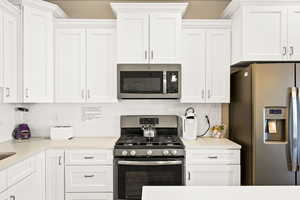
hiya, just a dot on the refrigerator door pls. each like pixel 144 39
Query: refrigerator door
pixel 271 88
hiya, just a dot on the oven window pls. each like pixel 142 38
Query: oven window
pixel 131 179
pixel 141 82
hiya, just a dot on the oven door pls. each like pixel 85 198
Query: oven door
pixel 132 174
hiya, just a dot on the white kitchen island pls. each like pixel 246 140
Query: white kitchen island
pixel 220 192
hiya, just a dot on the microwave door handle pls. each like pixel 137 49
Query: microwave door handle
pixel 164 82
pixel 149 163
pixel 293 130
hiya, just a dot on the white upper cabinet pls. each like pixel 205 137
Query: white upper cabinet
pixel 264 30
pixel 194 66
pixel 133 38
pixel 70 65
pixel 206 61
pixel 10 54
pixel 149 32
pixel 165 38
pixel 101 68
pixel 294 33
pixel 218 66
pixel 85 69
pixel 265 33
pixel 38 55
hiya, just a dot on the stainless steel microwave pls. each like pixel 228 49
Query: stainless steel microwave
pixel 149 81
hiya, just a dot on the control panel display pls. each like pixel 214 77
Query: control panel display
pixel 151 121
pixel 275 111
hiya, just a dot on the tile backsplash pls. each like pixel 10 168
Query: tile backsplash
pixel 7 121
pixel 96 120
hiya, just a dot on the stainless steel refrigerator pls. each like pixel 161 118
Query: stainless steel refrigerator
pixel 264 119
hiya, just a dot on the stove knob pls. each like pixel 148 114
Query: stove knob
pixel 149 153
pixel 124 153
pixel 166 152
pixel 174 152
pixel 132 153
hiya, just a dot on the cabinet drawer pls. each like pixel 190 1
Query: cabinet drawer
pixel 89 157
pixel 3 180
pixel 89 178
pixel 89 196
pixel 21 170
pixel 213 157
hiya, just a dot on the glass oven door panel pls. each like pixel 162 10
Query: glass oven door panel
pixel 141 82
pixel 131 179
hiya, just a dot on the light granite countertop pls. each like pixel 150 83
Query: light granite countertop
pixel 210 143
pixel 27 148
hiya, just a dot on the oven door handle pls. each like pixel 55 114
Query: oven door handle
pixel 150 163
pixel 165 82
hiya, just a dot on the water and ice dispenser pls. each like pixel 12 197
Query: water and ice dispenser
pixel 275 123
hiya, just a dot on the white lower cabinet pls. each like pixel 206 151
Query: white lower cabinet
pixel 55 176
pixel 89 196
pixel 89 179
pixel 216 167
pixel 213 175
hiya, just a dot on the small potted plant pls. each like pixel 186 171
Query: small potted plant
pixel 218 131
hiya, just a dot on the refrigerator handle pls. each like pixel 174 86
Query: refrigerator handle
pixel 293 130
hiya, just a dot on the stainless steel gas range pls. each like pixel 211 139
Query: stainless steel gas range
pixel 143 159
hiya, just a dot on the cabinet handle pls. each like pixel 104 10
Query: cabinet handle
pixel 12 197
pixel 89 176
pixel 202 93
pixel 208 94
pixel 146 55
pixel 7 92
pixel 89 157
pixel 152 54
pixel 189 176
pixel 59 160
pixel 82 94
pixel 284 51
pixel 291 51
pixel 88 94
pixel 212 157
pixel 26 92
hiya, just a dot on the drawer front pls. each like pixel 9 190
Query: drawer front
pixel 213 157
pixel 89 178
pixel 89 157
pixel 89 196
pixel 21 170
pixel 3 180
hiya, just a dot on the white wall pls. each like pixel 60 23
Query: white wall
pixel 42 116
pixel 7 121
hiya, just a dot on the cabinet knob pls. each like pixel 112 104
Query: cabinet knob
pixel 284 51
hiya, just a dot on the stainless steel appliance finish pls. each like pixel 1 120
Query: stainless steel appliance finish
pixel 140 161
pixel 149 81
pixel 264 119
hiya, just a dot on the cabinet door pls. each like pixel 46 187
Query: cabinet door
pixel 101 68
pixel 89 179
pixel 70 65
pixel 133 38
pixel 213 175
pixel 193 68
pixel 266 33
pixel 10 56
pixel 293 33
pixel 218 66
pixel 38 56
pixel 165 35
pixel 89 196
pixel 55 177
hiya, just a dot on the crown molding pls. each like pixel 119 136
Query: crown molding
pixel 234 5
pixel 9 6
pixel 206 24
pixel 43 5
pixel 179 8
